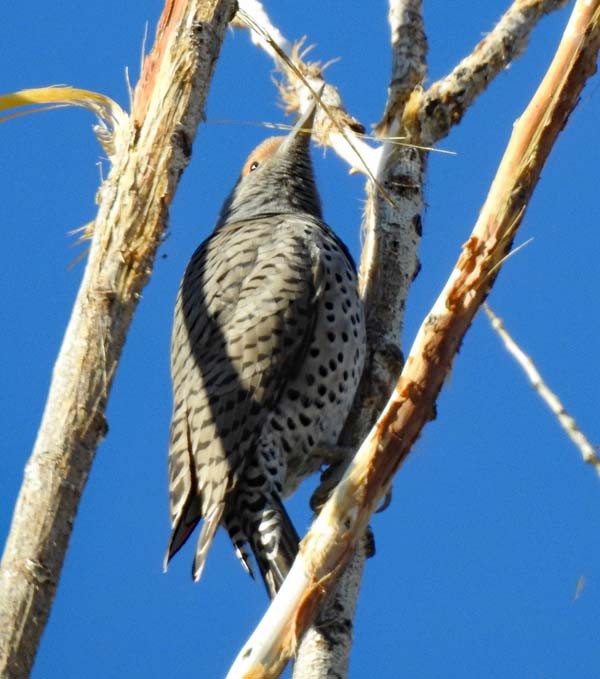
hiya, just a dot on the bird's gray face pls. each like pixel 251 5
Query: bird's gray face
pixel 277 178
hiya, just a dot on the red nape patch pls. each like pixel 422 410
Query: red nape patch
pixel 264 150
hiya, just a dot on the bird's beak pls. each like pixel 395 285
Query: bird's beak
pixel 302 130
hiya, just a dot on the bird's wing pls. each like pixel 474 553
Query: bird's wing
pixel 243 320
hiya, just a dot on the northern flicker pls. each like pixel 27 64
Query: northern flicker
pixel 267 350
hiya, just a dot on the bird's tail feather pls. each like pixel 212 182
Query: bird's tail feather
pixel 275 544
pixel 211 522
pixel 239 540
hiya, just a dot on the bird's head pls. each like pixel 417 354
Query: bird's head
pixel 277 177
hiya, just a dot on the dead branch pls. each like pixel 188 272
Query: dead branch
pixel 388 266
pixel 329 544
pixel 443 105
pixel 326 649
pixel 151 151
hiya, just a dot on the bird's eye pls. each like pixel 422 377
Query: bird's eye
pixel 254 165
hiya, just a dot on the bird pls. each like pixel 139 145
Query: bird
pixel 267 350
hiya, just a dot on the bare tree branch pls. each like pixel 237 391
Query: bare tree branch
pixel 587 450
pixel 389 264
pixel 324 651
pixel 152 150
pixel 329 544
pixel 409 51
pixel 443 105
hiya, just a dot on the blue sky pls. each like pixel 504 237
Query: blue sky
pixel 494 516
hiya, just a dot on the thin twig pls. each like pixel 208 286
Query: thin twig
pixel 587 450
